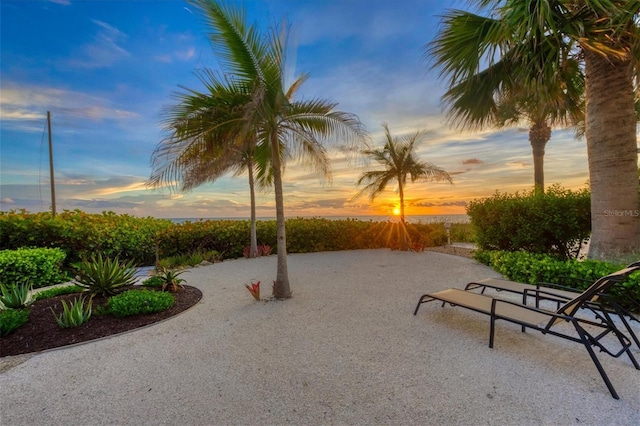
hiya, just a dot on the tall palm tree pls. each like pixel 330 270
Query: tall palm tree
pixel 399 160
pixel 494 97
pixel 205 142
pixel 289 127
pixel 605 37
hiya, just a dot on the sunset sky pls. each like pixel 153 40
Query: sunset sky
pixel 105 69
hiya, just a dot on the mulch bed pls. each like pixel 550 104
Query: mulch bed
pixel 42 331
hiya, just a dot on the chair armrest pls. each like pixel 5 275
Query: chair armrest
pixel 551 314
pixel 558 286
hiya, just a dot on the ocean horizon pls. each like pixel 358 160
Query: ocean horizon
pixel 451 218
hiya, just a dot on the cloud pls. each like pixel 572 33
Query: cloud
pixel 456 203
pixel 136 186
pixel 28 102
pixel 472 161
pixel 6 200
pixel 61 2
pixel 105 50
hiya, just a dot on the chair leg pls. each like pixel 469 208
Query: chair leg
pixel 418 305
pixel 587 344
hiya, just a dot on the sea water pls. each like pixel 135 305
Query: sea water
pixel 451 218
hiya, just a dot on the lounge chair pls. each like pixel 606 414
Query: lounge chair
pixel 560 295
pixel 544 321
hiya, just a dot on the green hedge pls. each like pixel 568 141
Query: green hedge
pixel 80 234
pixel 533 268
pixel 556 222
pixel 40 266
pixel 304 235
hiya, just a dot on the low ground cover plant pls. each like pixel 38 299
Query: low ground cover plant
pixel 134 302
pixel 11 319
pixel 193 258
pixel 57 291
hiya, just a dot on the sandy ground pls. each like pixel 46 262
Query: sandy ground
pixel 345 350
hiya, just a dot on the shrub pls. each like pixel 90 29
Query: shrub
pixel 134 302
pixel 41 266
pixel 15 296
pixel 74 314
pixel 11 319
pixel 154 282
pixel 104 276
pixel 532 268
pixel 557 222
pixel 57 291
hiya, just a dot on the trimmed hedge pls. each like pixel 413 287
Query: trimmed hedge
pixel 81 234
pixel 304 235
pixel 557 222
pixel 42 267
pixel 532 268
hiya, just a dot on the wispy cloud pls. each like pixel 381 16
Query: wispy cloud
pixel 27 102
pixel 104 51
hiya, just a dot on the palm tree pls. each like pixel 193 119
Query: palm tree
pixel 492 97
pixel 205 142
pixel 604 36
pixel 289 127
pixel 398 159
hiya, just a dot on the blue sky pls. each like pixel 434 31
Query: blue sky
pixel 105 70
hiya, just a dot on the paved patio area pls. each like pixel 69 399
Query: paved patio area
pixel 345 350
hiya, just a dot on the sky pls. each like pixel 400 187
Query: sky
pixel 106 70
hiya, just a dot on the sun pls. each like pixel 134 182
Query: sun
pixel 396 211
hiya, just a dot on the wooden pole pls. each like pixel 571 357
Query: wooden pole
pixel 53 184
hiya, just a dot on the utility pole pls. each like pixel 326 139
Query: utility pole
pixel 53 184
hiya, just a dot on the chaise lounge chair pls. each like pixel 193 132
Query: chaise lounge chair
pixel 544 321
pixel 560 295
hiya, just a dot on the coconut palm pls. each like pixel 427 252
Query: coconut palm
pixel 399 160
pixel 494 97
pixel 291 128
pixel 604 36
pixel 205 142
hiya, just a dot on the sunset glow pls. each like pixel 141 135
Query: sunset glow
pixel 106 117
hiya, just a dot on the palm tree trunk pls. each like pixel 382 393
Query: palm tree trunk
pixel 281 289
pixel 401 194
pixel 612 148
pixel 539 135
pixel 404 238
pixel 253 248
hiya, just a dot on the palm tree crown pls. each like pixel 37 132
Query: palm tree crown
pixel 533 41
pixel 399 161
pixel 289 127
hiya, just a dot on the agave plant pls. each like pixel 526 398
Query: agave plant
pixel 73 314
pixel 169 279
pixel 15 296
pixel 104 276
